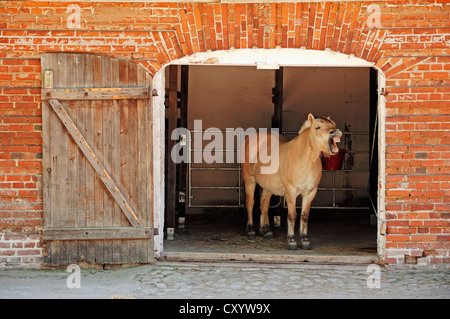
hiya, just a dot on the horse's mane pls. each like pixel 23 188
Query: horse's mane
pixel 304 127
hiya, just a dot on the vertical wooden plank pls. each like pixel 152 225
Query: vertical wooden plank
pixel 142 153
pixel 90 173
pixel 55 132
pixel 54 246
pixel 171 166
pixel 47 62
pixel 116 158
pixel 60 157
pixel 81 175
pixel 98 149
pixel 133 154
pixel 46 148
pixel 184 88
pixel 115 139
pixel 73 61
pixel 63 149
pixel 124 106
pixel 108 202
pixel 277 120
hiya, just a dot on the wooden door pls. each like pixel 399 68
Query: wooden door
pixel 97 160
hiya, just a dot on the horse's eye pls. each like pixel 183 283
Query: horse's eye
pixel 317 127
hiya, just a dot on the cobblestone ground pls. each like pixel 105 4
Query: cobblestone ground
pixel 227 280
pixel 289 281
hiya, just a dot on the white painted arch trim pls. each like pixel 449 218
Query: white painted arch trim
pixel 261 58
pixel 274 57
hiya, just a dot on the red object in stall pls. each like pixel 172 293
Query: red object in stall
pixel 334 162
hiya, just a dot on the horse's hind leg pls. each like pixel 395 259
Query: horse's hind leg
pixel 264 226
pixel 250 185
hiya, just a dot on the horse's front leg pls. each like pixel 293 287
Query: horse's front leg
pixel 292 216
pixel 264 225
pixel 250 186
pixel 306 206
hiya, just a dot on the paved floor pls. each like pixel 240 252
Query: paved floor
pixel 226 280
pixel 331 233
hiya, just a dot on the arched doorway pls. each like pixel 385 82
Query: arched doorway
pixel 293 61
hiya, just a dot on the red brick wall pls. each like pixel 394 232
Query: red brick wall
pixel 410 44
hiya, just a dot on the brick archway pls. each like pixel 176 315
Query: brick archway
pixel 202 27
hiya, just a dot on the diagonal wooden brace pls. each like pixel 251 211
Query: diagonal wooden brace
pixel 96 163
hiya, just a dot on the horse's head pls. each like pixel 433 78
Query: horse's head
pixel 324 134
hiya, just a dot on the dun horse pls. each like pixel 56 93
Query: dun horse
pixel 299 173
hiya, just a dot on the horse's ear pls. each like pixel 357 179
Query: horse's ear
pixel 311 118
pixel 329 117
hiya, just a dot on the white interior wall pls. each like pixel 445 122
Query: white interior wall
pixel 342 93
pixel 233 96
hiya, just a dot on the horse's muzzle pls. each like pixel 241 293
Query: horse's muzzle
pixel 335 137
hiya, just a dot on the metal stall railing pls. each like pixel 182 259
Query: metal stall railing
pixel 234 167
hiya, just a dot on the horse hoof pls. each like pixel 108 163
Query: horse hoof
pixel 306 245
pixel 292 245
pixel 251 235
pixel 268 235
pixel 266 232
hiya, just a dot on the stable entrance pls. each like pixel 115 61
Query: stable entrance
pixel 205 216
